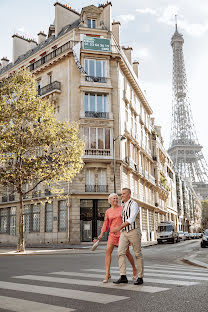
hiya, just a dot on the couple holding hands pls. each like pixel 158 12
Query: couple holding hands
pixel 124 230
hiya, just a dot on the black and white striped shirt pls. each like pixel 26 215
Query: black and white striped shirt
pixel 130 213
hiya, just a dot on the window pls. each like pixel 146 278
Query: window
pixel 97 138
pixel 62 216
pixel 96 105
pixel 49 217
pixel 95 68
pixel 8 221
pixel 102 180
pixel 31 214
pixel 91 23
pixel 8 193
pixel 90 180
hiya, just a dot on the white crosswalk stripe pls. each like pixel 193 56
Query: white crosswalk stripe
pixel 153 280
pixel 89 283
pixel 61 292
pixel 21 305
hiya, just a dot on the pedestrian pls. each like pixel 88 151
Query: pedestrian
pixel 113 218
pixel 130 234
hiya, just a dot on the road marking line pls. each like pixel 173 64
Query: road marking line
pixel 183 268
pixel 20 305
pixel 131 287
pixel 173 271
pixel 159 281
pixel 61 292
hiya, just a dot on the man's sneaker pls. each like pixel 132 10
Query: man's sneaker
pixel 139 281
pixel 123 279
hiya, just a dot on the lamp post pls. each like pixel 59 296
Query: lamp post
pixel 122 137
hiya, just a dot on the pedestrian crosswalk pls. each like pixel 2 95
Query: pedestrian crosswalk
pixel 158 278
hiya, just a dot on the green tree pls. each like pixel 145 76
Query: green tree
pixel 34 146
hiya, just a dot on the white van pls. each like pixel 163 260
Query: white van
pixel 166 232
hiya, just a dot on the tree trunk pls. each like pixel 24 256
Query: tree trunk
pixel 20 242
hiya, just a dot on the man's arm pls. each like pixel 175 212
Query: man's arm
pixel 120 227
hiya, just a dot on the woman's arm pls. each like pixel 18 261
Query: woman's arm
pixel 105 225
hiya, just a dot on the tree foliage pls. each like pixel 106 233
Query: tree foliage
pixel 35 146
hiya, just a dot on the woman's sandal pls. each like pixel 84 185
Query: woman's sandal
pixel 106 280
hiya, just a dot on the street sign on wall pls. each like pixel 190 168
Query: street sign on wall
pixel 96 44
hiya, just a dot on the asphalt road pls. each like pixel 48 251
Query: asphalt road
pixel 73 282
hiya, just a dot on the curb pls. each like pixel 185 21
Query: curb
pixel 190 260
pixel 65 251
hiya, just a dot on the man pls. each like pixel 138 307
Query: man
pixel 130 234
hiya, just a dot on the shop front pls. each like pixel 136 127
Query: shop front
pixel 92 214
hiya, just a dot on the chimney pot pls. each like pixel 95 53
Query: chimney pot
pixel 4 61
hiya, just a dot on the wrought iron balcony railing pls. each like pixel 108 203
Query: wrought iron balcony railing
pixel 96 188
pixel 96 79
pixel 56 85
pixel 96 152
pixel 96 114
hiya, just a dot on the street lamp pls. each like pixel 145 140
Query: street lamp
pixel 122 137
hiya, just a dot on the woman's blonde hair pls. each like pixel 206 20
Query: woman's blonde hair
pixel 111 195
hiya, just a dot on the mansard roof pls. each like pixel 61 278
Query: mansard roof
pixel 40 46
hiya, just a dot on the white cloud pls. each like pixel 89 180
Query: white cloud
pixel 167 16
pixel 147 11
pixel 125 19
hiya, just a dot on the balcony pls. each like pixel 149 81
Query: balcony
pixel 97 152
pixel 96 79
pixel 11 197
pixel 96 114
pixel 96 188
pixel 4 199
pixel 90 188
pixel 102 188
pixel 47 192
pixel 50 88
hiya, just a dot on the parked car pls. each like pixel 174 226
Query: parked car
pixel 181 235
pixel 166 232
pixel 192 235
pixel 187 235
pixel 204 241
pixel 197 235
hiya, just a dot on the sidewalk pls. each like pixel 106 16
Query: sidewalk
pixel 57 249
pixel 200 258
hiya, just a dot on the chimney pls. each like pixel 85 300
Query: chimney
pixel 107 15
pixel 128 52
pixel 51 30
pixel 136 68
pixel 41 37
pixel 4 62
pixel 116 31
pixel 32 44
pixel 64 16
pixel 21 45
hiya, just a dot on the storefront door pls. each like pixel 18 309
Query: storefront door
pixel 92 214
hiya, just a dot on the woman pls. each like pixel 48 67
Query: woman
pixel 113 219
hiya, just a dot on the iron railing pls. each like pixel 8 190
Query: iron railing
pixel 55 85
pixel 96 114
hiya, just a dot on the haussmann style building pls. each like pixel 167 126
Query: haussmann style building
pixel 82 69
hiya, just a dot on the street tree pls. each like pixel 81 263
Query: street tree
pixel 35 147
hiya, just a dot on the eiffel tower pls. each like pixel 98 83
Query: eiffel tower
pixel 185 150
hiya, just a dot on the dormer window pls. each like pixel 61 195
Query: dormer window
pixel 91 23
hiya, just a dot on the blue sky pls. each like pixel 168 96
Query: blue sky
pixel 147 26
